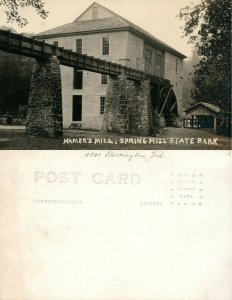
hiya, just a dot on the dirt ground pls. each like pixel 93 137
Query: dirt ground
pixel 169 139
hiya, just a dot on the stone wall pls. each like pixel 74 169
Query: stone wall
pixel 128 107
pixel 143 111
pixel 44 115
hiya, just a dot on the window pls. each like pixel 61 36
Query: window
pixel 94 12
pixel 176 65
pixel 102 105
pixel 79 46
pixel 105 46
pixel 103 79
pixel 77 108
pixel 159 63
pixel 56 43
pixel 148 60
pixel 77 79
pixel 148 57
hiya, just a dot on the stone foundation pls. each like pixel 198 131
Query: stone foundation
pixel 116 106
pixel 44 115
pixel 128 107
pixel 158 121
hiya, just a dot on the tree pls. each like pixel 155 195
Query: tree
pixel 208 26
pixel 12 10
pixel 15 77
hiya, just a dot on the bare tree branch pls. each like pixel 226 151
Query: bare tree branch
pixel 12 8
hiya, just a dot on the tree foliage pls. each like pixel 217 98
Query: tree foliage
pixel 188 73
pixel 12 10
pixel 15 77
pixel 208 26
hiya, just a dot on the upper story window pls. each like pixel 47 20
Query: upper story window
pixel 148 56
pixel 103 79
pixel 159 63
pixel 105 46
pixel 177 62
pixel 77 79
pixel 56 43
pixel 94 12
pixel 79 46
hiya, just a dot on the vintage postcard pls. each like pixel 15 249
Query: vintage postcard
pixel 104 79
pixel 124 90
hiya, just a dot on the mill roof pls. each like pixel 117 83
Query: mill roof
pixel 115 23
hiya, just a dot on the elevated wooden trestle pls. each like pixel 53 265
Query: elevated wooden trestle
pixel 27 46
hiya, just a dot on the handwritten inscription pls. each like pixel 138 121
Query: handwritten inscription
pixel 145 156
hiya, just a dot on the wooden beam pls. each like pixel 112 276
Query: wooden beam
pixel 30 47
pixel 173 107
pixel 165 101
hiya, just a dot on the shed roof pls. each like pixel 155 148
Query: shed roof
pixel 106 24
pixel 207 105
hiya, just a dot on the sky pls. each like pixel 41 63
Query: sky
pixel 158 17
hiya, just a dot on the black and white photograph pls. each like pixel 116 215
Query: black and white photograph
pixel 117 75
pixel 105 110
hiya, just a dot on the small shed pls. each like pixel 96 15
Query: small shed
pixel 201 115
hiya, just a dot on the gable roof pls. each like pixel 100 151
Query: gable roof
pixel 207 105
pixel 98 5
pixel 116 23
pixel 85 26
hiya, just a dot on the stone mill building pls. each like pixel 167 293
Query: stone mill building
pixel 103 34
